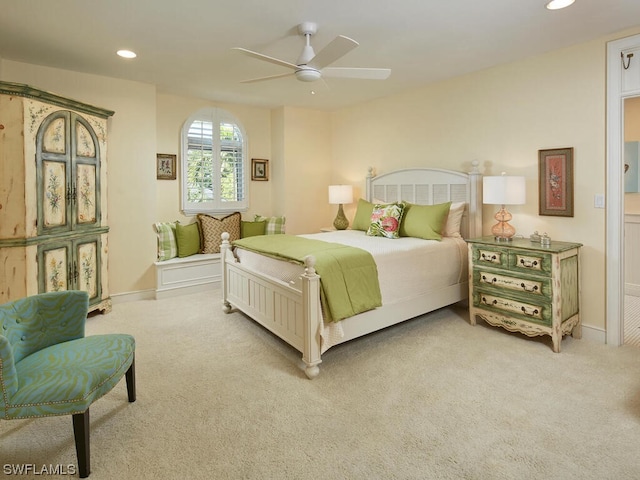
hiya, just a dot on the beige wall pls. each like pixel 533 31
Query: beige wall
pixel 172 112
pixel 131 163
pixel 303 170
pixel 502 117
pixel 145 123
pixel 632 119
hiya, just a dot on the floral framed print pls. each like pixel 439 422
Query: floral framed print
pixel 165 166
pixel 555 178
pixel 259 169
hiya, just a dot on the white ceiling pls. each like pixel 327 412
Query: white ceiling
pixel 185 47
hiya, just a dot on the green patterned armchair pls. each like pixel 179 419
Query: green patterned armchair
pixel 48 367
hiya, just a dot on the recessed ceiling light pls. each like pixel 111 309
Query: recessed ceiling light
pixel 558 4
pixel 126 54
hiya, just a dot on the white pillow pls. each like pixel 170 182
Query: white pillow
pixel 452 227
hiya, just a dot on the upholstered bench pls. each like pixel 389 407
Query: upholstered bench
pixel 182 275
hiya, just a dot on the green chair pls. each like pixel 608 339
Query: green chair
pixel 48 367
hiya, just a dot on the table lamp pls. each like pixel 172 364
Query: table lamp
pixel 338 195
pixel 503 190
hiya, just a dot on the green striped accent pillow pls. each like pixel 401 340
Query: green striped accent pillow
pixel 274 225
pixel 167 244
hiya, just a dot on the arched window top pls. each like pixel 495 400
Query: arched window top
pixel 213 163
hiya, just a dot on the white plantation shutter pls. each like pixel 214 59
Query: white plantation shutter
pixel 213 163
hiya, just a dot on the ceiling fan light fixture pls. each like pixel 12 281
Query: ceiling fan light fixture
pixel 308 75
pixel 558 4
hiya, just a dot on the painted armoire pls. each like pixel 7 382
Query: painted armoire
pixel 53 195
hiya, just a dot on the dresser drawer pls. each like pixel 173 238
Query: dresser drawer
pixel 522 260
pixel 502 280
pixel 516 260
pixel 531 311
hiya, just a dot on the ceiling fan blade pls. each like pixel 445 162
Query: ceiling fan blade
pixel 271 77
pixel 337 48
pixel 364 73
pixel 267 58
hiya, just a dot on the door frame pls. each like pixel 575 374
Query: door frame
pixel 614 301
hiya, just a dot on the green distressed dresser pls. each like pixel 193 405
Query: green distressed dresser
pixel 526 287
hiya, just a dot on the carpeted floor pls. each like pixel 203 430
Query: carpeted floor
pixel 432 398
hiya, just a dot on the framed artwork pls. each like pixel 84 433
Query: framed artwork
pixel 259 169
pixel 555 178
pixel 165 166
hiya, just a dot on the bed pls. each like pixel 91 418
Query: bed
pixel 285 297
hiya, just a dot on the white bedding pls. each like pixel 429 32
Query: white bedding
pixel 407 267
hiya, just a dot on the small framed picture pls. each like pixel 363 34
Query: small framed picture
pixel 555 179
pixel 259 169
pixel 165 166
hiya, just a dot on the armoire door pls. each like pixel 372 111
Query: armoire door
pixel 68 173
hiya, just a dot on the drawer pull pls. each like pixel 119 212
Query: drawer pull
pixel 529 288
pixel 532 313
pixel 490 258
pixel 484 300
pixel 528 263
pixel 486 280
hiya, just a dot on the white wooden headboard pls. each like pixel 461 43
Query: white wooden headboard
pixel 430 186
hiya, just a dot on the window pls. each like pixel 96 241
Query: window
pixel 214 163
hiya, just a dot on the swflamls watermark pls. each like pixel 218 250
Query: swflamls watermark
pixel 33 469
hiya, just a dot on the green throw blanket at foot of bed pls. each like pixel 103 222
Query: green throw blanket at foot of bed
pixel 348 275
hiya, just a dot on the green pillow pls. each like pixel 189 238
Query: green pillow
pixel 251 229
pixel 273 225
pixel 188 238
pixel 362 219
pixel 167 244
pixel 424 221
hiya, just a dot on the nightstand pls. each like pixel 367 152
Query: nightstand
pixel 525 287
pixel 328 229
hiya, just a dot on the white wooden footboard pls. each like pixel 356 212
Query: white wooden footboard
pixel 293 314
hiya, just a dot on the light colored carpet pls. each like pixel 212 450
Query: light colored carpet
pixel 434 398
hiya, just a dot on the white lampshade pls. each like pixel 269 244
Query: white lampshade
pixel 504 190
pixel 340 194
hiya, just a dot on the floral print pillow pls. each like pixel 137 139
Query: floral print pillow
pixel 385 220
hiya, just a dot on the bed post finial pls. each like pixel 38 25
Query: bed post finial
pixel 474 166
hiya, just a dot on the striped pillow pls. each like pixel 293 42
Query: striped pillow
pixel 167 244
pixel 275 225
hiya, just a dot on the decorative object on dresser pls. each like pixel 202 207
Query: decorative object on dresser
pixel 339 195
pixel 555 177
pixel 527 287
pixel 53 211
pixel 503 190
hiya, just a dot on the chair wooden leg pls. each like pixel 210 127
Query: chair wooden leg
pixel 131 381
pixel 81 433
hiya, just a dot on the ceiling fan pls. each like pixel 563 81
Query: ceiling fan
pixel 310 66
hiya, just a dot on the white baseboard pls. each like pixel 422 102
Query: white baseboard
pixel 186 290
pixel 594 334
pixel 632 289
pixel 133 296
